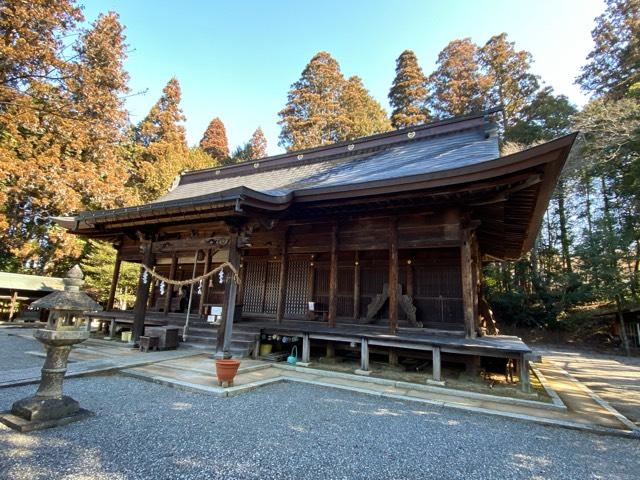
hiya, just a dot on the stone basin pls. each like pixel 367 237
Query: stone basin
pixel 61 338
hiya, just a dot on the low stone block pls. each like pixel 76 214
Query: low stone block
pixel 23 425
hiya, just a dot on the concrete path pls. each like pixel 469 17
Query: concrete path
pixel 95 356
pixel 582 410
pixel 614 378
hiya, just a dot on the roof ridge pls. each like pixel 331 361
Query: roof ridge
pixel 326 152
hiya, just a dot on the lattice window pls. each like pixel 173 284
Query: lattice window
pixel 271 288
pixel 297 287
pixel 254 285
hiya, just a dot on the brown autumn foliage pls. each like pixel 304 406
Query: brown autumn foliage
pixel 214 141
pixel 258 144
pixel 161 144
pixel 61 122
pixel 408 94
pixel 323 107
pixel 513 86
pixel 457 86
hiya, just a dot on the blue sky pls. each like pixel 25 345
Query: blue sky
pixel 237 59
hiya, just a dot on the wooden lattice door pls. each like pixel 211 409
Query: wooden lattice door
pixel 297 291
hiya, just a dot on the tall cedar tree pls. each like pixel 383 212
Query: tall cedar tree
pixel 214 141
pixel 255 148
pixel 408 94
pixel 31 100
pixel 98 267
pixel 242 153
pixel 457 86
pixel 162 144
pixel 258 144
pixel 312 113
pixel 548 116
pixel 362 115
pixel 318 107
pixel 613 66
pixel 513 86
pixel 60 128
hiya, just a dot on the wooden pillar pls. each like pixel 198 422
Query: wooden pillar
pixel 525 383
pixel 331 350
pixel 172 276
pixel 282 281
pixel 356 287
pixel 333 277
pixel 475 281
pixel 306 348
pixel 311 281
pixel 256 348
pixel 142 294
pixel 393 275
pixel 152 294
pixel 114 280
pixel 437 367
pixel 364 357
pixel 410 279
pixel 393 357
pixel 225 329
pixel 12 305
pixel 468 290
pixel 243 278
pixel 205 286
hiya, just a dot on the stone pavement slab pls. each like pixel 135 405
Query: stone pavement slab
pixel 614 378
pixel 24 376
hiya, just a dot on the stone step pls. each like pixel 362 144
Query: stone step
pixel 242 342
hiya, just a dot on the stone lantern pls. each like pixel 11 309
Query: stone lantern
pixel 49 407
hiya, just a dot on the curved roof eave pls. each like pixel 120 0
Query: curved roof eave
pixel 246 196
pixel 480 171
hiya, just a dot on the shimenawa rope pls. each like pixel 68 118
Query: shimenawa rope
pixel 180 283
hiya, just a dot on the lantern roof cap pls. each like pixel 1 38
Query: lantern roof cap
pixel 71 298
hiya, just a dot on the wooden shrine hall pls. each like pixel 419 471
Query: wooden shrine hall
pixel 378 242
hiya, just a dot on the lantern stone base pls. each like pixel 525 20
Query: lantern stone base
pixel 37 413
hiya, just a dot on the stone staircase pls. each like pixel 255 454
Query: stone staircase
pixel 243 340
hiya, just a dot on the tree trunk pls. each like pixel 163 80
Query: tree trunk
pixel 564 235
pixel 623 330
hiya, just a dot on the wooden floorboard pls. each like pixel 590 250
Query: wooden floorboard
pixel 410 338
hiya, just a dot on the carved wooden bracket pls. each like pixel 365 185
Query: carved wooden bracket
pixel 404 301
pixel 189 244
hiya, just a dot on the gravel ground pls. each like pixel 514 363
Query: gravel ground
pixel 148 431
pixel 12 350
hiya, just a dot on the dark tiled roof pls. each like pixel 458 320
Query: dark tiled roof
pixel 403 158
pixel 390 159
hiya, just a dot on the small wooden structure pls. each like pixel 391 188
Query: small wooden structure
pixel 18 290
pixel 630 323
pixel 386 235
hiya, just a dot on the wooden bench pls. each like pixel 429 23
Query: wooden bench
pixel 167 336
pixel 114 320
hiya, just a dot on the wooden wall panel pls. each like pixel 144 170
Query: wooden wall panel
pixel 438 295
pixel 345 291
pixel 321 283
